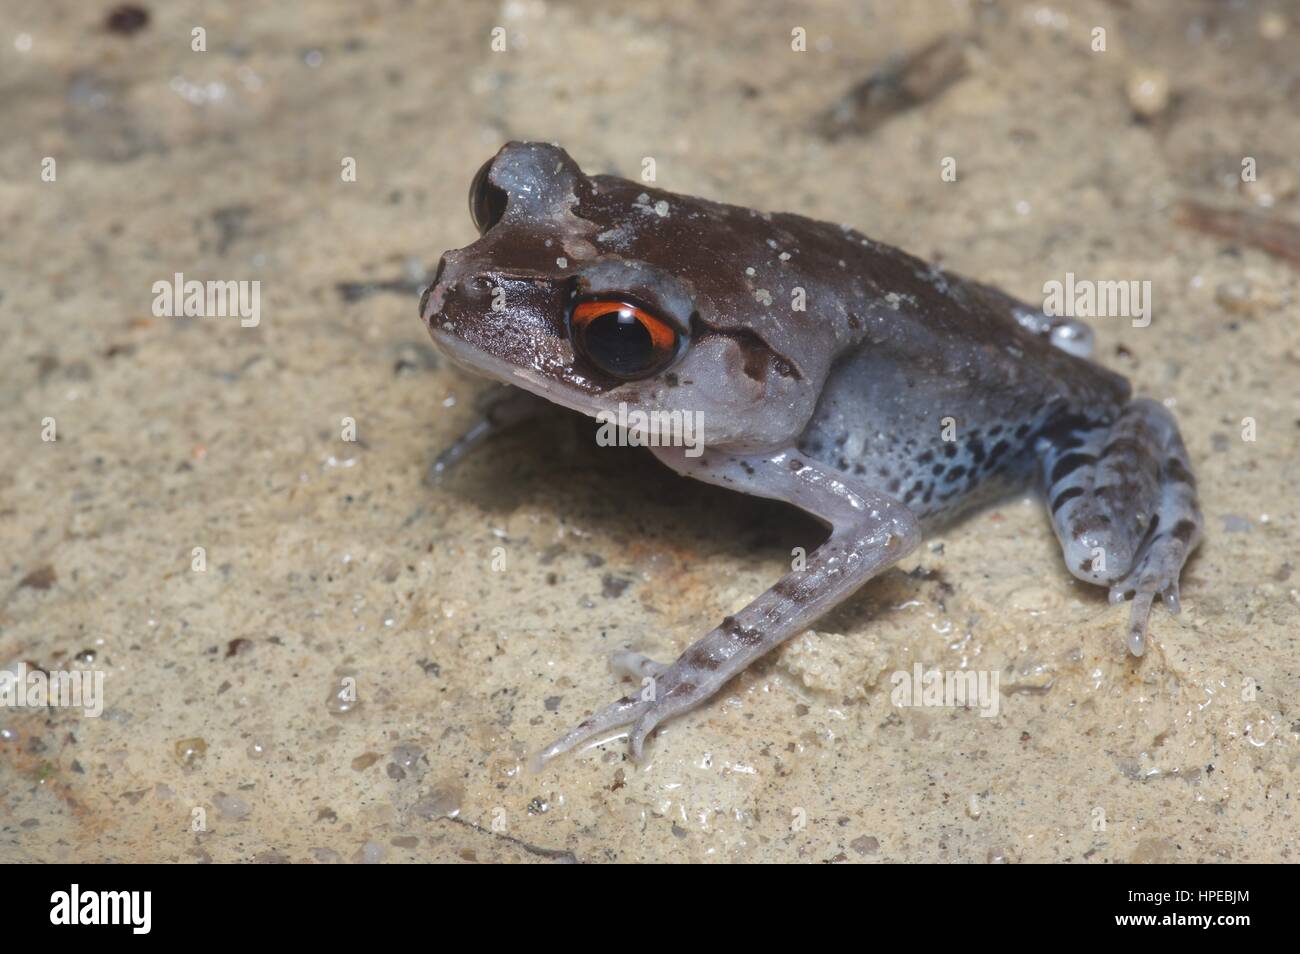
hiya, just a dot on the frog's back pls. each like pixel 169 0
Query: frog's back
pixel 944 395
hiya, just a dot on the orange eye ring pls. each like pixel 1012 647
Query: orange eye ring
pixel 622 339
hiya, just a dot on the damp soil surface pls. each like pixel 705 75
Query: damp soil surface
pixel 312 653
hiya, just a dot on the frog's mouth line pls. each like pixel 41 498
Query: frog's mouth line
pixel 484 364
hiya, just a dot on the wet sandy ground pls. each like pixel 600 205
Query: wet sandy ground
pixel 328 560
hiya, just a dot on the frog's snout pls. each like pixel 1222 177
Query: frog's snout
pixel 434 294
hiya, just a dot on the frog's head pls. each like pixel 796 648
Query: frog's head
pixel 595 291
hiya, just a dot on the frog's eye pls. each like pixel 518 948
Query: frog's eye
pixel 487 203
pixel 622 339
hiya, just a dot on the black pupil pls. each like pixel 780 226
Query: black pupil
pixel 619 343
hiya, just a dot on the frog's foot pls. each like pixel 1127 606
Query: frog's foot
pixel 1124 506
pixel 1156 574
pixel 665 691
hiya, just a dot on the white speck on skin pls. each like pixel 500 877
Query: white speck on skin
pixel 661 209
pixel 750 271
pixel 562 262
pixel 763 296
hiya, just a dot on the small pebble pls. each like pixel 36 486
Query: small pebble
pixel 232 806
pixel 1148 91
pixel 865 845
pixel 189 752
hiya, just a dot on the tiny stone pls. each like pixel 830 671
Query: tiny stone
pixel 1148 91
pixel 865 845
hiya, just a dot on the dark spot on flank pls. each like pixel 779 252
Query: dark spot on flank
pixel 796 464
pixel 1022 430
pixel 894 485
pixel 1065 496
pixel 976 448
pixel 1086 565
pixel 671 380
pixel 748 467
pixel 1069 464
pixel 949 450
pixel 937 469
pixel 995 430
pixel 1183 530
pixel 955 474
pixel 925 458
pixel 1176 471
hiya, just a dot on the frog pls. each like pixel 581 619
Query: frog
pixel 882 394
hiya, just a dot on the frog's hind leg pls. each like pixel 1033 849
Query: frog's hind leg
pixel 1124 505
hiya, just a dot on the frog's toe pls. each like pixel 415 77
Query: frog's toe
pixel 1156 574
pixel 614 716
pixel 665 692
pixel 641 731
pixel 633 665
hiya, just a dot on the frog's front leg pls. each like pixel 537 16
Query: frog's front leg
pixel 500 408
pixel 1124 505
pixel 869 532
